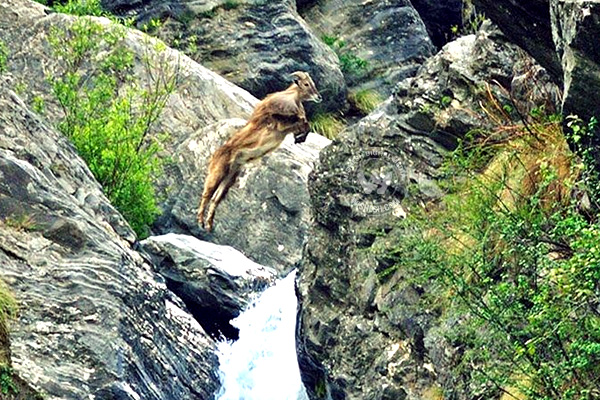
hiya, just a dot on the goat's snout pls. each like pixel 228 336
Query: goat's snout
pixel 317 98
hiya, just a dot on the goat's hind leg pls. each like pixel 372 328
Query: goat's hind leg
pixel 220 193
pixel 215 176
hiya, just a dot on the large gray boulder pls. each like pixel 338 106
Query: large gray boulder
pixel 254 44
pixel 389 35
pixel 265 215
pixel 216 282
pixel 361 336
pixel 95 321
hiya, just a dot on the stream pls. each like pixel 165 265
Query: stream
pixel 262 363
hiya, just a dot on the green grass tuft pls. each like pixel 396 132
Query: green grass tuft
pixel 365 100
pixel 230 5
pixel 3 57
pixel 327 124
pixel 8 304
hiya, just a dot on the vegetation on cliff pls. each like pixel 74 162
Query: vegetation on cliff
pixel 511 255
pixel 108 123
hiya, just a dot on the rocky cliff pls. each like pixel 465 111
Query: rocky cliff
pixel 104 316
pixel 389 37
pixel 254 44
pixel 354 327
pixel 87 301
pixel 94 318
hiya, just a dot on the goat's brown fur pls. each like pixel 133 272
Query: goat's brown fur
pixel 273 118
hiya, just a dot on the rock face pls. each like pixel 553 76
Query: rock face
pixel 265 215
pixel 575 28
pixel 361 337
pixel 389 35
pixel 95 320
pixel 254 44
pixel 440 17
pixel 527 23
pixel 560 35
pixel 216 282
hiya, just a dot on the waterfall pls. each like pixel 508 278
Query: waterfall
pixel 262 364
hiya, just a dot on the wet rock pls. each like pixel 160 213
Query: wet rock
pixel 94 320
pixel 216 282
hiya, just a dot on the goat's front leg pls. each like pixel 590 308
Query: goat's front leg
pixel 302 130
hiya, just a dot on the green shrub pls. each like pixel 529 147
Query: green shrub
pixel 329 40
pixel 108 123
pixel 80 7
pixel 327 124
pixel 350 63
pixel 7 385
pixel 508 254
pixel 38 104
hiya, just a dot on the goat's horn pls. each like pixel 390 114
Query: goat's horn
pixel 297 75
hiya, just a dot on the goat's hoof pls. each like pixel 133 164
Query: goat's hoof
pixel 301 138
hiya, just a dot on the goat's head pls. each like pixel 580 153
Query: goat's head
pixel 307 89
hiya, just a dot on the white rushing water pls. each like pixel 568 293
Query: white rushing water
pixel 262 364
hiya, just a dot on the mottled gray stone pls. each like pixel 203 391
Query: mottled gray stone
pixel 216 282
pixel 265 215
pixel 94 320
pixel 254 44
pixel 359 336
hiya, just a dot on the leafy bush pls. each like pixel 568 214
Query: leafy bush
pixel 327 124
pixel 76 7
pixel 108 123
pixel 7 385
pixel 350 63
pixel 509 254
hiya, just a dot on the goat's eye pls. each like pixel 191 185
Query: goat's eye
pixel 306 84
